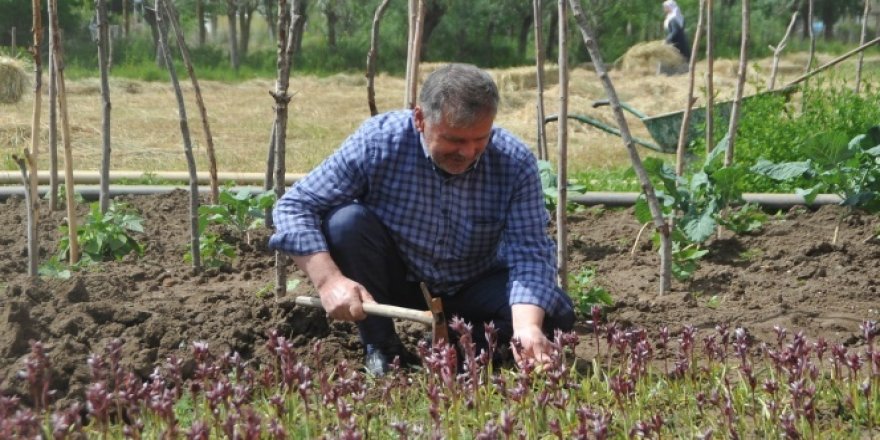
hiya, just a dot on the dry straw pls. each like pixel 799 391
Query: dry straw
pixel 651 55
pixel 12 80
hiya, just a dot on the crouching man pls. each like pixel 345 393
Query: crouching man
pixel 435 194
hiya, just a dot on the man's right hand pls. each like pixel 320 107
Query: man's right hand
pixel 341 296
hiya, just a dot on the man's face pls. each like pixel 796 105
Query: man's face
pixel 454 149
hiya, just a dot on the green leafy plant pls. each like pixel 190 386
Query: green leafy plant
pixel 549 180
pixel 240 211
pixel 55 268
pixel 586 294
pixel 105 236
pixel 702 202
pixel 848 169
pixel 214 251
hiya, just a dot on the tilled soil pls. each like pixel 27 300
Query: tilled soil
pixel 788 275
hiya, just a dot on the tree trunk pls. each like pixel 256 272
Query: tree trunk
pixel 332 19
pixel 233 34
pixel 38 100
pixel 550 51
pixel 525 26
pixel 200 19
pixel 103 58
pixel 246 13
pixel 434 11
pixel 271 17
pixel 300 9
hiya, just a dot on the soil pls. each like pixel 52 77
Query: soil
pixel 789 275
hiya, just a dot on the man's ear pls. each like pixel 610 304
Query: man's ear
pixel 419 118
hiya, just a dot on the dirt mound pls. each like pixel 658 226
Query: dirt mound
pixel 789 275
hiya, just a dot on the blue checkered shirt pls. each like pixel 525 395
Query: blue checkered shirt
pixel 450 229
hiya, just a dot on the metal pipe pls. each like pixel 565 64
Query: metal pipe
pixel 93 177
pixel 611 199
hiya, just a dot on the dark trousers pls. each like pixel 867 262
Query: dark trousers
pixel 365 252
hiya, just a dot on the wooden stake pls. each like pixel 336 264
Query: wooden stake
pixel 65 136
pixel 647 188
pixel 862 39
pixel 53 123
pixel 287 23
pixel 38 96
pixel 710 76
pixel 415 56
pixel 538 7
pixel 777 52
pixel 371 56
pixel 736 107
pixel 103 58
pixel 686 119
pixel 187 142
pixel 562 167
pixel 171 12
pixel 33 247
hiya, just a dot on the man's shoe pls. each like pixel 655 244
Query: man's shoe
pixel 379 357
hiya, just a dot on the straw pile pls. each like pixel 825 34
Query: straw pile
pixel 652 57
pixel 12 80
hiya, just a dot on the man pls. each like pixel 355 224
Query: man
pixel 439 195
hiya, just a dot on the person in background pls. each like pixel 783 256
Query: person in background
pixel 673 24
pixel 439 195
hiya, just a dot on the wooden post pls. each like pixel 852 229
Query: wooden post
pixel 647 188
pixel 187 143
pixel 53 123
pixel 371 56
pixel 562 171
pixel 33 247
pixel 12 42
pixel 412 11
pixel 414 57
pixel 126 18
pixel 38 97
pixel 862 39
pixel 538 6
pixel 103 56
pixel 710 76
pixel 777 52
pixel 171 12
pixel 736 107
pixel 65 135
pixel 686 120
pixel 287 23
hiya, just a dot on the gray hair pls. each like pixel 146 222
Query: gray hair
pixel 461 93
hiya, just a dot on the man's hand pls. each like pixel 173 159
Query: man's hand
pixel 527 322
pixel 341 296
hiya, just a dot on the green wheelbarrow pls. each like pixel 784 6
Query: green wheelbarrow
pixel 665 128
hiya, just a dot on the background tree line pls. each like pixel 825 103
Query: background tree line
pixel 491 33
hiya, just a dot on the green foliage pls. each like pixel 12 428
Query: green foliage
pixel 621 179
pixel 549 180
pixel 237 212
pixel 702 202
pixel 849 169
pixel 55 268
pixel 586 294
pixel 105 236
pixel 214 252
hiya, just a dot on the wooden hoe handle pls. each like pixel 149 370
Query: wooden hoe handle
pixel 423 316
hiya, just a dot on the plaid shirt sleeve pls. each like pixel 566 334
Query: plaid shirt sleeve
pixel 529 251
pixel 337 180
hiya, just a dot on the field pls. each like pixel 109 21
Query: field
pixel 146 135
pixel 788 275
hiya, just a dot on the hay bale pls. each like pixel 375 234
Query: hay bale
pixel 525 78
pixel 12 80
pixel 653 56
